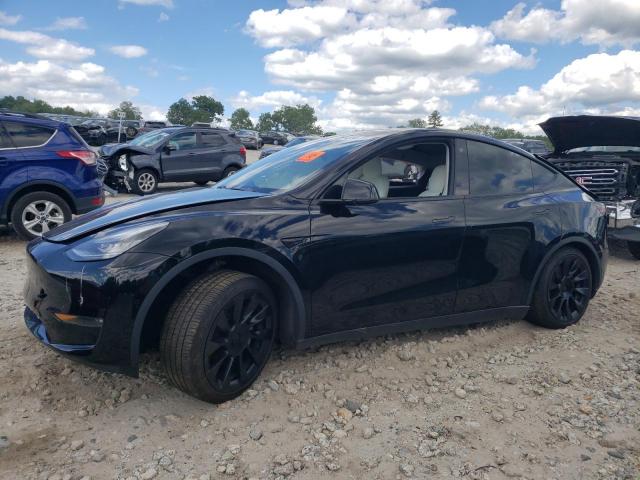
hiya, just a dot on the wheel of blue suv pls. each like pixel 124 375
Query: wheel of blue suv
pixel 634 248
pixel 563 291
pixel 218 335
pixel 38 212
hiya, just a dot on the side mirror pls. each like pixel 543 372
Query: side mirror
pixel 168 148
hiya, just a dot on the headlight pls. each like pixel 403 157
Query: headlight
pixel 114 241
pixel 122 162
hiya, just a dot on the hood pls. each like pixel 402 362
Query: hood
pixel 112 148
pixel 123 212
pixel 570 132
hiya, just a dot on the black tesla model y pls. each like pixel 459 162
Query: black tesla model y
pixel 338 238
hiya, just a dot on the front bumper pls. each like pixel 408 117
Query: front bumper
pixel 624 220
pixel 86 310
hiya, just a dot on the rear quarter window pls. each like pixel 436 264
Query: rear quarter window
pixel 28 135
pixel 495 170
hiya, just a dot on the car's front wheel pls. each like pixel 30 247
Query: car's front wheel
pixel 218 335
pixel 634 248
pixel 36 213
pixel 563 291
pixel 145 182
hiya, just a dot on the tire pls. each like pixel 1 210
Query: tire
pixel 229 171
pixel 145 181
pixel 563 291
pixel 37 213
pixel 202 183
pixel 130 132
pixel 634 248
pixel 218 335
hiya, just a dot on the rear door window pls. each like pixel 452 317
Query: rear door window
pixel 27 135
pixel 497 171
pixel 211 139
pixel 4 140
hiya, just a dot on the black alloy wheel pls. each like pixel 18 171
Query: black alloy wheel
pixel 563 291
pixel 218 335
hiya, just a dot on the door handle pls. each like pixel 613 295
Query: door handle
pixel 544 211
pixel 440 221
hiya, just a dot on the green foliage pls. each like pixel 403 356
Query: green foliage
pixel 435 119
pixel 265 123
pixel 417 123
pixel 240 119
pixel 131 112
pixel 22 104
pixel 202 108
pixel 502 133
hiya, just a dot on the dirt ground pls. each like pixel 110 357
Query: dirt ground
pixel 499 400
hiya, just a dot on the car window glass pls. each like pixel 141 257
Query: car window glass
pixel 409 171
pixel 210 139
pixel 4 140
pixel 184 141
pixel 543 177
pixel 497 171
pixel 26 135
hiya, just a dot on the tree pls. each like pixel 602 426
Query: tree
pixel 300 120
pixel 240 119
pixel 22 104
pixel 131 112
pixel 435 119
pixel 502 133
pixel 417 123
pixel 202 108
pixel 206 109
pixel 265 122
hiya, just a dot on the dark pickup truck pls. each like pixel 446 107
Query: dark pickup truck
pixel 173 154
pixel 602 154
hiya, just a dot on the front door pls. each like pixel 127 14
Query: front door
pixel 392 261
pixel 180 163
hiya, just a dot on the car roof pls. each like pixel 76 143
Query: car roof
pixel 30 118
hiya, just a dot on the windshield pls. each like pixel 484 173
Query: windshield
pixel 609 148
pixel 150 139
pixel 289 168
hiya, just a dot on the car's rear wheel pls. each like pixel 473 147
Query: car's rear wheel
pixel 131 132
pixel 563 291
pixel 145 182
pixel 36 213
pixel 218 335
pixel 229 171
pixel 634 248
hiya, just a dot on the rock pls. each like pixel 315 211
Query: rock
pixel 344 414
pixel 77 444
pixel 460 393
pixel 291 388
pixel 406 354
pixel 281 459
pixel 149 474
pixel 230 469
pixel 584 457
pixel 564 378
pixel 332 467
pixel 255 434
pixel 4 441
pixel 497 416
pixel 406 469
pixel 204 423
pixel 125 395
pixel 586 409
pixel 96 456
pixel 273 385
pixel 367 433
pixel 165 461
pixel 352 405
pixel 617 453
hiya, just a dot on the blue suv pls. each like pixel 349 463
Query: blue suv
pixel 47 173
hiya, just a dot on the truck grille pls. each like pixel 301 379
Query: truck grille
pixel 605 179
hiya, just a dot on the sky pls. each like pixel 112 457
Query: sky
pixel 359 63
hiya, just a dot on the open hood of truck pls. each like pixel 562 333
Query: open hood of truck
pixel 578 131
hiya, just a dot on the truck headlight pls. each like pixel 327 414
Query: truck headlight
pixel 122 162
pixel 114 241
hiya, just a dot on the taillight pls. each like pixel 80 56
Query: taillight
pixel 243 151
pixel 85 156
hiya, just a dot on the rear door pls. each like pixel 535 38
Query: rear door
pixel 509 226
pixel 214 147
pixel 10 164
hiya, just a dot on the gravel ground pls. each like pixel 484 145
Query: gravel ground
pixel 499 400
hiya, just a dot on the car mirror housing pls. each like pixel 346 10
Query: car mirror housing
pixel 168 148
pixel 355 192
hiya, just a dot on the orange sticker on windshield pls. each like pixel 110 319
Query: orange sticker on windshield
pixel 310 156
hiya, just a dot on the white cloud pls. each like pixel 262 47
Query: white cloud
pixel 272 99
pixel 84 86
pixel 386 60
pixel 153 112
pixel 597 83
pixel 44 46
pixel 149 3
pixel 68 23
pixel 163 17
pixel 593 22
pixel 128 51
pixel 8 20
